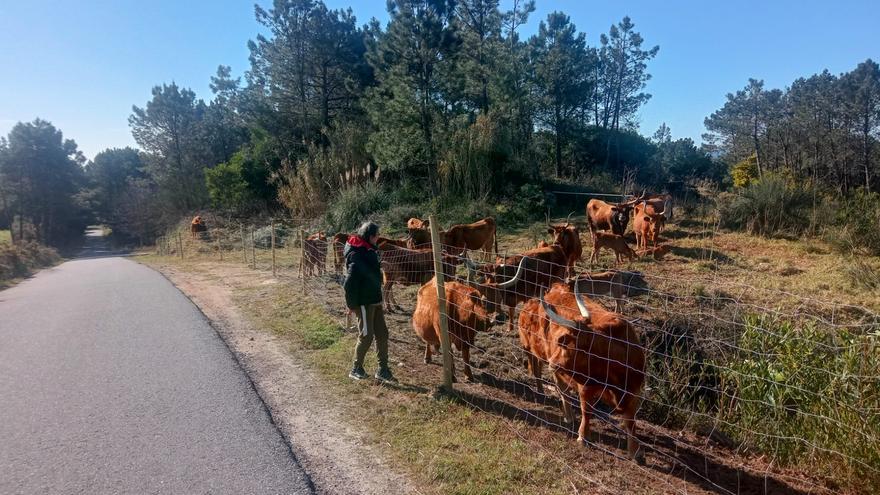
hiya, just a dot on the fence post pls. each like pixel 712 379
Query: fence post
pixel 217 239
pixel 302 257
pixel 441 305
pixel 272 226
pixel 253 247
pixel 180 244
pixel 243 243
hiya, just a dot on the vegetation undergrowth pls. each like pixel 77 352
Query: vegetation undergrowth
pixel 19 260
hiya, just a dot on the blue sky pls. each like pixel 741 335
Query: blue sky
pixel 82 65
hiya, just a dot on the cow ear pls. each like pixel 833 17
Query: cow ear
pixel 551 230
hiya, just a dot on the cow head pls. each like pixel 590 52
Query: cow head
pixel 486 280
pixel 566 236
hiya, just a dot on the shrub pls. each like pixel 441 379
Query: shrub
pixel 808 395
pixel 858 219
pixel 745 173
pixel 354 205
pixel 767 207
pixel 18 260
pixel 263 236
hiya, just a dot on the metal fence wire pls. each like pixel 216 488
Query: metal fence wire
pixel 692 383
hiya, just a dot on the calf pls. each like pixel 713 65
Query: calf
pixel 613 242
pixel 589 349
pixel 466 316
pixel 644 227
pixel 614 283
pixel 314 255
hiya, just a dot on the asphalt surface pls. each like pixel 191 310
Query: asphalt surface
pixel 112 381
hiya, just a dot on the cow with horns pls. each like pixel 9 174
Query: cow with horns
pixel 590 350
pixel 568 238
pixel 610 216
pixel 524 276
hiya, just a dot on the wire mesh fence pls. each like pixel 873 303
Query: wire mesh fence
pixel 684 383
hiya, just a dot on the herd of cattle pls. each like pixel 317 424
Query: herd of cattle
pixel 590 350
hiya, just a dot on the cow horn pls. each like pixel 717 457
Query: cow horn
pixel 554 317
pixel 580 302
pixel 568 219
pixel 515 278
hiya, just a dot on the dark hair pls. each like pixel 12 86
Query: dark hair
pixel 367 229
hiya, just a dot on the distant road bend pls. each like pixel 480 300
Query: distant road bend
pixel 111 381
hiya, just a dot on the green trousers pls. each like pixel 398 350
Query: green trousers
pixel 371 323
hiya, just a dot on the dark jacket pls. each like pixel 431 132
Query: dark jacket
pixel 363 283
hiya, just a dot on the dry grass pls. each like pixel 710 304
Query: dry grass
pixel 5 237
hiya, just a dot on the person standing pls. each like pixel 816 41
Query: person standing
pixel 363 296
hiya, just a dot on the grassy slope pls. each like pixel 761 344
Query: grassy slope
pixel 5 237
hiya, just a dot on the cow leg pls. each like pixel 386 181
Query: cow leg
pixel 427 353
pixel 630 405
pixel 534 365
pixel 510 315
pixel 466 358
pixel 584 435
pixel 386 297
pixel 561 389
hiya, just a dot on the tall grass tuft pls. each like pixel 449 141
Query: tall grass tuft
pixel 809 396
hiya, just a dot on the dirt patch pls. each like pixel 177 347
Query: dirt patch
pixel 333 452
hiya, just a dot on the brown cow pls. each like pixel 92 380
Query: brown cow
pixel 397 242
pixel 408 267
pixel 338 243
pixel 196 226
pixel 644 227
pixel 480 235
pixel 520 277
pixel 314 255
pixel 467 315
pixel 608 216
pixel 589 349
pixel 614 242
pixel 614 283
pixel 416 223
pixel 572 242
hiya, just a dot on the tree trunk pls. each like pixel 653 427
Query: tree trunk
pixel 558 143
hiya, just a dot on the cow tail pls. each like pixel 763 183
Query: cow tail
pixel 495 236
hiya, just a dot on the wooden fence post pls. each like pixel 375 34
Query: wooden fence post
pixel 180 244
pixel 243 243
pixel 217 240
pixel 441 305
pixel 272 226
pixel 302 257
pixel 253 247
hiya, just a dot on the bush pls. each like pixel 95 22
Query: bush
pixel 354 205
pixel 767 207
pixel 18 260
pixel 858 219
pixel 809 395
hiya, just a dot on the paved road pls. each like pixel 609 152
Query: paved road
pixel 111 381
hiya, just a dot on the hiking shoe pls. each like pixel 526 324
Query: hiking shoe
pixel 384 375
pixel 357 373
